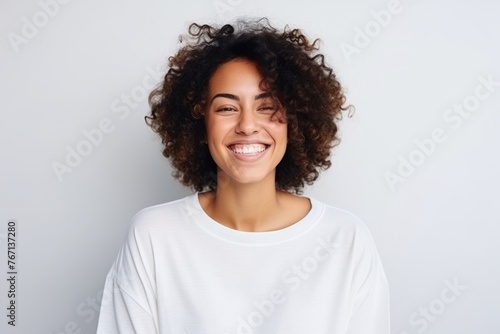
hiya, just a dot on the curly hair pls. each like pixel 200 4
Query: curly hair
pixel 294 73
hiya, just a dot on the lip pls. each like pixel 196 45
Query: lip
pixel 249 157
pixel 249 142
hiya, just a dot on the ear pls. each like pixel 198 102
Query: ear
pixel 198 111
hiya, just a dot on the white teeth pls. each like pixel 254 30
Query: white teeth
pixel 249 149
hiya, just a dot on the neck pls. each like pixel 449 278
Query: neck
pixel 245 207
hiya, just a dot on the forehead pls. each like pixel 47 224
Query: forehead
pixel 237 74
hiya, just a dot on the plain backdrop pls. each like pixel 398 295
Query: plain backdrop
pixel 418 162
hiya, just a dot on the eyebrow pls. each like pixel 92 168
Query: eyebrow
pixel 237 98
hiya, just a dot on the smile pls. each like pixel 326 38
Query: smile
pixel 248 149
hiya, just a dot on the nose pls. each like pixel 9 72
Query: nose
pixel 247 123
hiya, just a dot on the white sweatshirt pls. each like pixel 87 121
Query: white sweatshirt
pixel 180 272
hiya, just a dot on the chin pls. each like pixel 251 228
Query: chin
pixel 247 179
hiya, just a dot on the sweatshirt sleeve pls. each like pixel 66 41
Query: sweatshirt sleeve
pixel 129 299
pixel 122 314
pixel 371 310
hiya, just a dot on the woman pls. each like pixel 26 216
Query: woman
pixel 247 116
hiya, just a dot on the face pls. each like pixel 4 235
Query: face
pixel 244 140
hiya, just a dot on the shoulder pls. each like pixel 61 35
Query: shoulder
pixel 350 235
pixel 151 229
pixel 162 216
pixel 340 217
pixel 342 225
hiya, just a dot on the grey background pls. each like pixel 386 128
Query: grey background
pixel 91 62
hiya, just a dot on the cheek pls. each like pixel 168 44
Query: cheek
pixel 220 127
pixel 281 133
pixel 211 129
pixel 216 133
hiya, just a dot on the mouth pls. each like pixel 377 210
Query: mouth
pixel 248 149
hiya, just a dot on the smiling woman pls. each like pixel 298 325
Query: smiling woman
pixel 245 143
pixel 247 115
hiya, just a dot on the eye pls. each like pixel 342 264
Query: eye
pixel 226 109
pixel 267 108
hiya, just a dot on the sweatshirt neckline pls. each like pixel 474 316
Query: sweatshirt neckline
pixel 217 230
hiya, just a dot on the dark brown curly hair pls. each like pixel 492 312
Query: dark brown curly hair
pixel 294 73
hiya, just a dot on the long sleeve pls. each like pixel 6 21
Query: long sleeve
pixel 372 315
pixel 371 312
pixel 129 303
pixel 120 313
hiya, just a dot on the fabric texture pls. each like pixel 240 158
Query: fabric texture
pixel 180 272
